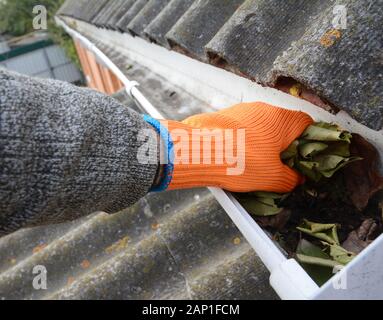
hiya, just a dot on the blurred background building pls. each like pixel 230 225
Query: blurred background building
pixel 35 54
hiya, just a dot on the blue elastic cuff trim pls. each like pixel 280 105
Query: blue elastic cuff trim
pixel 169 166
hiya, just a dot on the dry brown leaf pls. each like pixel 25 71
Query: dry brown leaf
pixel 359 239
pixel 362 177
pixel 277 221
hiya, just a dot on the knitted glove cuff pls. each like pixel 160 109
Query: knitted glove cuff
pixel 167 147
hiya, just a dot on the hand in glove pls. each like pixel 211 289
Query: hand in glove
pixel 237 149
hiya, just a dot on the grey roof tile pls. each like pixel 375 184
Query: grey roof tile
pixel 258 32
pixel 145 16
pixel 200 24
pixel 100 15
pixel 103 18
pixel 92 9
pixel 122 7
pixel 130 14
pixel 67 8
pixel 158 28
pixel 73 8
pixel 238 278
pixel 85 10
pixel 343 66
pixel 138 253
pixel 145 271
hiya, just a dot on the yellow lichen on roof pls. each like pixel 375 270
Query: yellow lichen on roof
pixel 330 37
pixel 39 248
pixel 118 246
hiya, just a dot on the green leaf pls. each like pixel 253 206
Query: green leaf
pixel 338 148
pixel 329 164
pixel 319 235
pixel 346 136
pixel 317 261
pixel 261 207
pixel 265 194
pixel 319 227
pixel 291 151
pixel 340 254
pixel 312 254
pixel 325 232
pixel 307 168
pixel 320 133
pixel 307 248
pixel 261 203
pixel 310 165
pixel 327 125
pixel 312 148
pixel 320 151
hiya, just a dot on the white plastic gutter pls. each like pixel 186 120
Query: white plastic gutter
pixel 217 86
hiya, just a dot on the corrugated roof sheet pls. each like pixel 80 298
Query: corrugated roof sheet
pixel 170 245
pixel 258 33
pixel 148 13
pixel 199 24
pixel 269 41
pixel 165 20
pixel 118 12
pixel 130 14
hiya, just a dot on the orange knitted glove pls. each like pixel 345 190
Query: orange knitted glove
pixel 237 149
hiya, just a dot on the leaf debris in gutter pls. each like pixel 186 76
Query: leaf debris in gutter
pixel 336 213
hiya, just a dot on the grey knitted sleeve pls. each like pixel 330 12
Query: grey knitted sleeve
pixel 66 152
